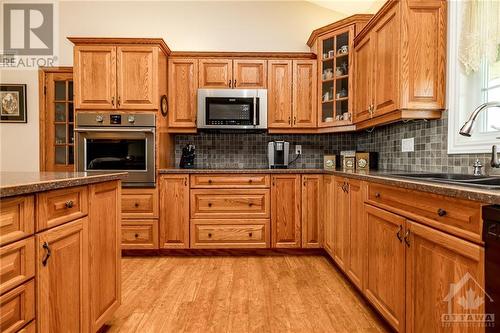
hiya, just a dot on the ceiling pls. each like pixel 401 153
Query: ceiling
pixel 351 7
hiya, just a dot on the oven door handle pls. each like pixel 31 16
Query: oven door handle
pixel 255 111
pixel 112 129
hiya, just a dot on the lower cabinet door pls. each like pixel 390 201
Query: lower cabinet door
pixel 329 211
pixel 341 218
pixel 312 218
pixel 385 275
pixel 285 211
pixel 357 233
pixel 444 277
pixel 174 211
pixel 62 293
pixel 105 252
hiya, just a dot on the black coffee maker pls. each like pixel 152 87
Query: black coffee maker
pixel 187 158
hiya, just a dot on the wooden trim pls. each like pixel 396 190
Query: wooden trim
pixel 121 41
pixel 337 25
pixel 374 20
pixel 262 55
pixel 224 252
pixel 399 115
pixel 57 69
pixel 333 129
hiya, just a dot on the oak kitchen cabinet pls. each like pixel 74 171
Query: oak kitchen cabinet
pixel 402 249
pixel 174 211
pixel 400 59
pixel 182 92
pixel 121 73
pixel 312 218
pixel 292 90
pixel 60 269
pixel 286 226
pixel 233 73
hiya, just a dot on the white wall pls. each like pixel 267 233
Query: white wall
pixel 184 25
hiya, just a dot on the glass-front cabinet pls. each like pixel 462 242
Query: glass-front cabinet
pixel 57 136
pixel 335 78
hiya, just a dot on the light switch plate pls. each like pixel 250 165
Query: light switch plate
pixel 408 145
pixel 298 149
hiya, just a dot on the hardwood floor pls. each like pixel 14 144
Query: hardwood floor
pixel 238 294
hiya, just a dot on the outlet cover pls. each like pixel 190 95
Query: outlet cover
pixel 298 149
pixel 408 145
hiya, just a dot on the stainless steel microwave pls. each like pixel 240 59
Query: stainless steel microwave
pixel 232 109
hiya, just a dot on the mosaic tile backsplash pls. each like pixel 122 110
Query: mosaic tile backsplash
pixel 221 150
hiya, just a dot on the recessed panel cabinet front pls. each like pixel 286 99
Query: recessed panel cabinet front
pixel 385 273
pixel 105 251
pixel 285 211
pixel 304 94
pixel 174 211
pixel 216 73
pixel 341 223
pixel 279 94
pixel 435 262
pixel 312 218
pixel 137 79
pixel 63 278
pixel 95 77
pixel 182 93
pixel 249 74
pixel 329 212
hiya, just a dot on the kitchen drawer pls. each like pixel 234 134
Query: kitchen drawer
pixel 17 218
pixel 30 328
pixel 229 234
pixel 61 206
pixel 139 234
pixel 17 307
pixel 140 203
pixel 222 203
pixel 17 263
pixel 456 216
pixel 230 181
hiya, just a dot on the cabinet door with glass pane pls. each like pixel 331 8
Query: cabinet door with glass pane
pixel 335 72
pixel 57 135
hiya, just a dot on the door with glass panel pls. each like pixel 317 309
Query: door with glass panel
pixel 56 120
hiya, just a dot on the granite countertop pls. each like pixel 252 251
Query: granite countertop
pixel 16 183
pixel 487 196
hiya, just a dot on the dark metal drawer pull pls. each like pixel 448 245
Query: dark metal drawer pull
pixel 441 212
pixel 377 195
pixel 48 253
pixel 68 204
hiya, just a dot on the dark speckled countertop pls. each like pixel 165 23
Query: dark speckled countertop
pixel 16 183
pixel 486 196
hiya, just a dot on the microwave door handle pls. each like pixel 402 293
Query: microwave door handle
pixel 255 111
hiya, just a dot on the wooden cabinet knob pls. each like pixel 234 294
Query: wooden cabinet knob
pixel 68 204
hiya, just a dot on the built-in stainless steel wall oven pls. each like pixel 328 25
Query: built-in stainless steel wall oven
pixel 117 142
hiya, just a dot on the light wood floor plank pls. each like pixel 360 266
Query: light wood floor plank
pixel 238 294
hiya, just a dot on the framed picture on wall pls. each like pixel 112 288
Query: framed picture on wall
pixel 13 103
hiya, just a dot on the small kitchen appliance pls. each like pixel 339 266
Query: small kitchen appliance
pixel 187 157
pixel 278 154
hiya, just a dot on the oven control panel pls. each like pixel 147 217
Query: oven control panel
pixel 104 119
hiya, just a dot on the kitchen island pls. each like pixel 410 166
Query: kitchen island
pixel 59 250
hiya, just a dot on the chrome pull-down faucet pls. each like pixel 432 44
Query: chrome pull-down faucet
pixel 467 128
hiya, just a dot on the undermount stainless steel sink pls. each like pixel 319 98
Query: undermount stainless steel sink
pixel 486 182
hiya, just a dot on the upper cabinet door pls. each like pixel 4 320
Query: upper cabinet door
pixel 95 77
pixel 182 92
pixel 250 74
pixel 279 94
pixel 216 73
pixel 304 93
pixel 137 79
pixel 363 79
pixel 386 54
